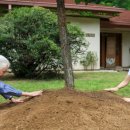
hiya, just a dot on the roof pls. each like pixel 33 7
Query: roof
pixel 70 4
pixel 122 19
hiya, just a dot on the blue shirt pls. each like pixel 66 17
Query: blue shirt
pixel 8 91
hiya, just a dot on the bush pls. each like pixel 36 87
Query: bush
pixel 29 39
pixel 89 60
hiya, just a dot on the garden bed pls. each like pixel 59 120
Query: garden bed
pixel 67 110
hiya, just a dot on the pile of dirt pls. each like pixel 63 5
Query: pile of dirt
pixel 67 110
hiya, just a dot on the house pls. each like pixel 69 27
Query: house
pixel 107 29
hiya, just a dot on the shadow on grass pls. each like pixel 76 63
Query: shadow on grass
pixel 47 76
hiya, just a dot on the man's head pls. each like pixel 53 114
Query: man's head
pixel 4 65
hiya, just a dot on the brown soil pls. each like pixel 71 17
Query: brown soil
pixel 67 110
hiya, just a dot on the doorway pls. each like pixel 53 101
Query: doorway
pixel 110 50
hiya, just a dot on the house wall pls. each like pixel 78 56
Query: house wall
pixel 91 26
pixel 126 49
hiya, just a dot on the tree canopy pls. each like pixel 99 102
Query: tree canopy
pixel 117 3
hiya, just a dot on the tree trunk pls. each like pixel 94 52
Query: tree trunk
pixel 65 47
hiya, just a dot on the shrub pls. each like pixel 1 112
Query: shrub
pixel 29 39
pixel 90 59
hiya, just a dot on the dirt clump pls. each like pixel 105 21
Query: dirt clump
pixel 67 110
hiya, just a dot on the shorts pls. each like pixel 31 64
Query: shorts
pixel 129 72
pixel 8 91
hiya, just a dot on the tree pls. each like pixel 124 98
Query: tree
pixel 116 3
pixel 65 48
pixel 66 54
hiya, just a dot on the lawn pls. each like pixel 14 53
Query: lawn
pixel 84 81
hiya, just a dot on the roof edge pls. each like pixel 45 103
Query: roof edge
pixel 94 7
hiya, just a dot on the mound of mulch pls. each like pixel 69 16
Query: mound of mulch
pixel 67 110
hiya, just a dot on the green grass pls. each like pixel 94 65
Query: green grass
pixel 85 81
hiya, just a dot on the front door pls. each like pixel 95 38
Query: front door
pixel 110 50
